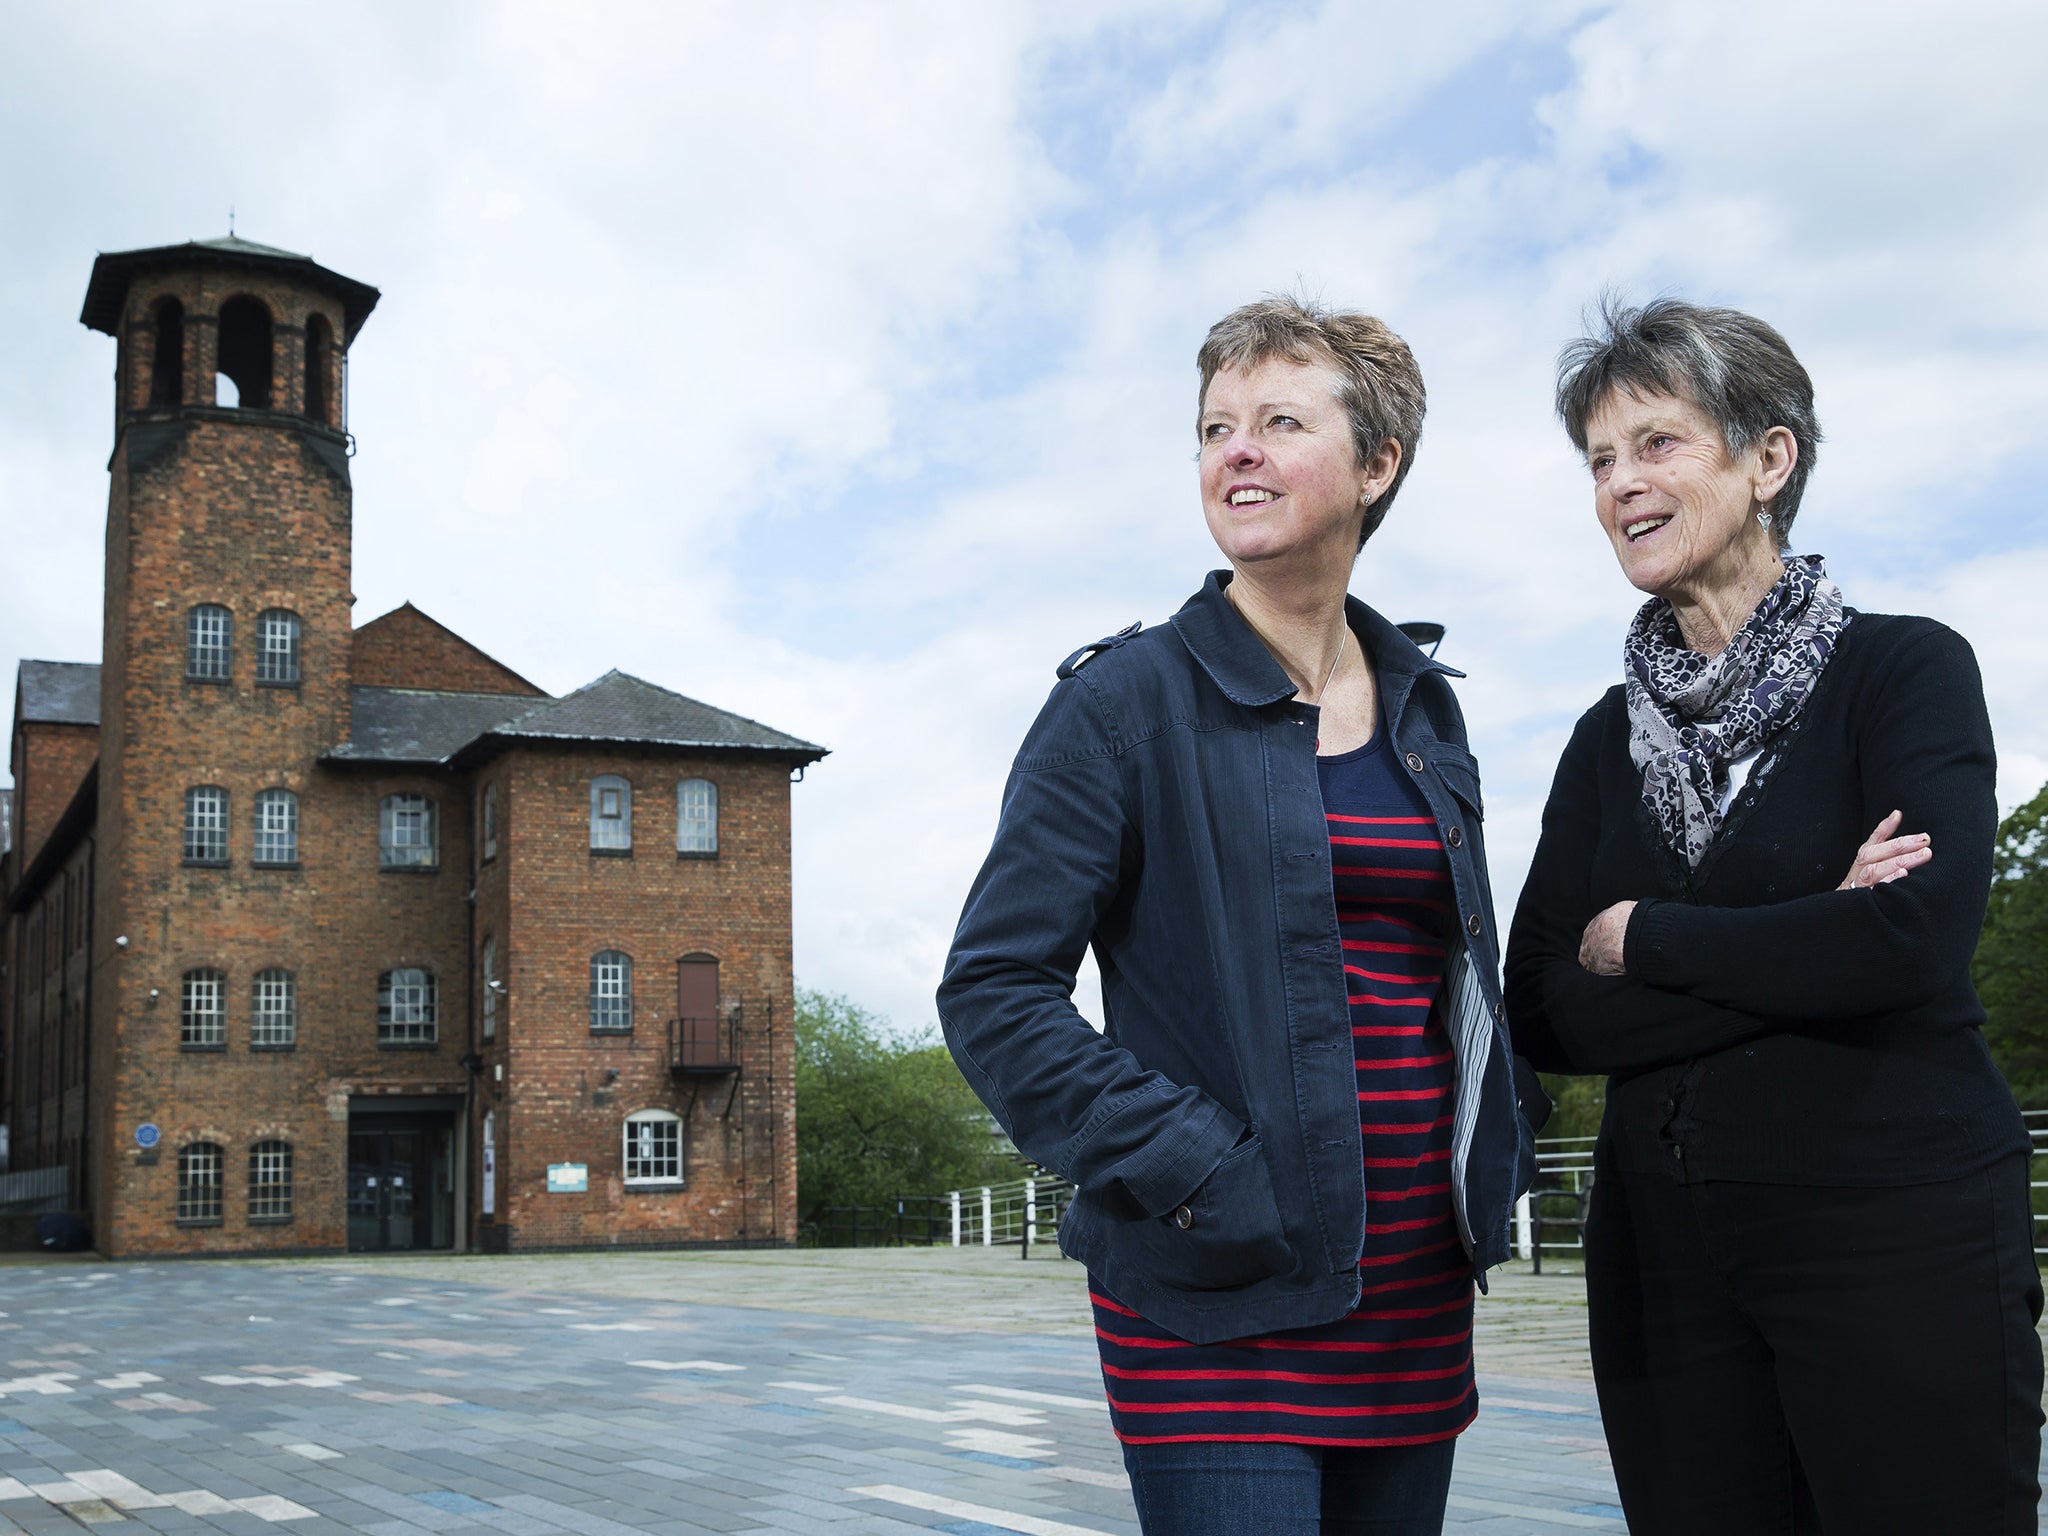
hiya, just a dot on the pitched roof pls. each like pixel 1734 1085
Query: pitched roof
pixel 58 692
pixel 621 707
pixel 398 725
pixel 418 725
pixel 107 290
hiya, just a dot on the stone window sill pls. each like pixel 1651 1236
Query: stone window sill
pixel 272 1048
pixel 408 869
pixel 281 864
pixel 611 853
pixel 408 1045
pixel 712 855
pixel 655 1187
pixel 195 1049
pixel 271 1221
pixel 278 682
pixel 206 863
pixel 199 1221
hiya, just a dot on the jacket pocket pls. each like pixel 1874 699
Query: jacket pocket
pixel 1459 770
pixel 1227 1234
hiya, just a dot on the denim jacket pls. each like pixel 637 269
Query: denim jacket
pixel 1165 808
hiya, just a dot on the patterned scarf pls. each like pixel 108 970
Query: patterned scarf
pixel 1690 716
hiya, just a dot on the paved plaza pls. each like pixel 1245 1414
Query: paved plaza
pixel 879 1390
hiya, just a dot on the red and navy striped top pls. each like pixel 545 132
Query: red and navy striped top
pixel 1398 1369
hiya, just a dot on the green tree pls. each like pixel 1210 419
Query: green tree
pixel 1580 1102
pixel 2011 967
pixel 880 1115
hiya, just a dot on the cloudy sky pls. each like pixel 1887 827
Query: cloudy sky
pixel 834 364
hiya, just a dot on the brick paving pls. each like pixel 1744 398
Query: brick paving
pixel 602 1395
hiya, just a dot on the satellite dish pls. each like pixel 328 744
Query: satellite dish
pixel 1425 634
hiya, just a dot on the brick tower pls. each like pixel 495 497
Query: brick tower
pixel 225 674
pixel 317 939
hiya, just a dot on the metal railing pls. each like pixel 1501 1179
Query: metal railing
pixel 703 1045
pixel 1025 1212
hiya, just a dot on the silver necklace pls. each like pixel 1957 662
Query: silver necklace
pixel 1337 662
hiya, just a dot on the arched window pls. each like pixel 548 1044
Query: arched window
pixel 611 814
pixel 274 1011
pixel 405 1007
pixel 244 358
pixel 490 989
pixel 319 360
pixel 206 825
pixel 654 1149
pixel 277 827
pixel 277 647
pixel 490 822
pixel 611 993
pixel 697 817
pixel 209 643
pixel 406 833
pixel 203 1011
pixel 199 1182
pixel 270 1181
pixel 167 367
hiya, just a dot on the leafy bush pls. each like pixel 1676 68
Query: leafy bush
pixel 880 1115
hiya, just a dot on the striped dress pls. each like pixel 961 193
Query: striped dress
pixel 1398 1369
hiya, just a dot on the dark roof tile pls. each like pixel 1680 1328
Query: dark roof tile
pixel 59 692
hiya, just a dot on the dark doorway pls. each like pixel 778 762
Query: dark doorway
pixel 401 1182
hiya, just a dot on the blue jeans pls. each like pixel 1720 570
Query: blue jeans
pixel 1221 1488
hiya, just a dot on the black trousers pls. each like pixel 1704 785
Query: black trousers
pixel 1789 1359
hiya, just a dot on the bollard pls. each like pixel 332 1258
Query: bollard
pixel 988 1216
pixel 1522 1246
pixel 954 1196
pixel 1030 1215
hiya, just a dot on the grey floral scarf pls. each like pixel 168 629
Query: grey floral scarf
pixel 1690 716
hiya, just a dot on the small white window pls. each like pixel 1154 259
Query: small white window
pixel 270 1181
pixel 199 1182
pixel 490 989
pixel 405 1007
pixel 654 1149
pixel 274 1020
pixel 206 825
pixel 203 1010
pixel 277 647
pixel 697 817
pixel 406 833
pixel 209 643
pixel 611 993
pixel 277 827
pixel 611 814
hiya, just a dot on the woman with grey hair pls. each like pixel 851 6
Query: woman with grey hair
pixel 1296 1144
pixel 1809 1255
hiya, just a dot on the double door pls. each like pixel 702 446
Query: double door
pixel 401 1184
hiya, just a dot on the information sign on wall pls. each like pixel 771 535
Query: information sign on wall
pixel 568 1178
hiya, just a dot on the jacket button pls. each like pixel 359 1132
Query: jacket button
pixel 1473 926
pixel 1455 837
pixel 1414 762
pixel 1183 1218
pixel 1500 1011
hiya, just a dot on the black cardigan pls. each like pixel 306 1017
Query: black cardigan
pixel 1769 1027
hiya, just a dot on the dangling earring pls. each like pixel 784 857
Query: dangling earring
pixel 1763 517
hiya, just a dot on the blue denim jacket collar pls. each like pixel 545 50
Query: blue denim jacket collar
pixel 1238 662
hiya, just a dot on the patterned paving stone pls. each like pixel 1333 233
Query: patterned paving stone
pixel 602 1395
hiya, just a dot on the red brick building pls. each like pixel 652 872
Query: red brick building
pixel 320 937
